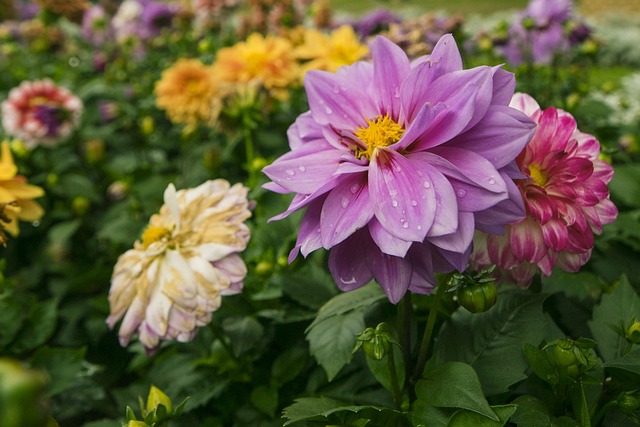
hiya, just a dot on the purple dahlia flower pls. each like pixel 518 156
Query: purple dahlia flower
pixel 397 163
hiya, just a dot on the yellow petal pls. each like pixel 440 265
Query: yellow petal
pixel 30 210
pixel 22 190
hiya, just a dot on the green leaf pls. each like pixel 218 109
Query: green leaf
pixel 265 399
pixel 629 362
pixel 491 342
pixel 332 334
pixel 540 364
pixel 579 405
pixel 245 333
pixel 331 340
pixel 62 232
pixel 310 286
pixel 583 285
pixel 615 308
pixel 288 365
pixel 363 297
pixel 466 418
pixel 39 326
pixel 380 368
pixel 423 415
pixel 531 412
pixel 454 385
pixel 625 184
pixel 307 408
pixel 63 365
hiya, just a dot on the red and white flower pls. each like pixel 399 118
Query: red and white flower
pixel 40 113
pixel 566 197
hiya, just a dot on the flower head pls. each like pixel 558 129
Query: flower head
pixel 375 22
pixel 189 93
pixel 16 195
pixel 397 162
pixel 267 61
pixel 70 9
pixel 170 283
pixel 40 113
pixel 566 198
pixel 95 25
pixel 329 52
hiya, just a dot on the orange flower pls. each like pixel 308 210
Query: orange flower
pixel 267 61
pixel 16 194
pixel 189 94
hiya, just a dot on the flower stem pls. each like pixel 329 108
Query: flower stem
pixel 397 393
pixel 405 316
pixel 250 155
pixel 428 332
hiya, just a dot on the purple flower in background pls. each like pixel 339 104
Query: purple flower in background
pixel 156 16
pixel 141 19
pixel 95 25
pixel 539 32
pixel 397 163
pixel 376 21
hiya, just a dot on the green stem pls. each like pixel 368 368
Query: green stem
pixel 252 181
pixel 397 393
pixel 428 332
pixel 405 315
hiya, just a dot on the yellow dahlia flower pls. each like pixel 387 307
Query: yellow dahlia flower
pixel 268 61
pixel 329 52
pixel 189 94
pixel 173 279
pixel 16 194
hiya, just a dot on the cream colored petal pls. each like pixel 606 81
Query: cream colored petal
pixel 171 202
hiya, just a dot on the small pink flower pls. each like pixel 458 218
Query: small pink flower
pixel 40 113
pixel 566 198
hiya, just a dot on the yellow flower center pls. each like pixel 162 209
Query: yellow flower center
pixel 380 132
pixel 538 175
pixel 154 233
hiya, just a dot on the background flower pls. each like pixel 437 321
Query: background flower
pixel 394 159
pixel 40 113
pixel 16 196
pixel 329 52
pixel 168 285
pixel 566 198
pixel 189 93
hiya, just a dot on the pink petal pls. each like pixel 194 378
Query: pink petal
pixel 504 83
pixel 403 195
pixel 555 234
pixel 346 209
pixel 460 239
pixel 525 103
pixel 393 274
pixel 387 243
pixel 309 237
pixel 527 242
pixel 349 262
pixel 390 68
pixel 303 130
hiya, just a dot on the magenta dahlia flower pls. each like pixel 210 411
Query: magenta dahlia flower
pixel 566 197
pixel 397 162
pixel 40 113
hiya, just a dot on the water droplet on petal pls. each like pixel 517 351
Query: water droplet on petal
pixel 426 184
pixel 461 193
pixel 335 89
pixel 419 227
pixel 405 225
pixel 354 188
pixel 301 168
pixel 394 203
pixel 396 93
pixel 414 203
pixel 318 230
pixel 492 181
pixel 344 202
pixel 290 172
pixel 328 110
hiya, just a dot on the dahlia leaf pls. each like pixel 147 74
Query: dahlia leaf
pixel 491 342
pixel 454 385
pixel 310 408
pixel 619 306
pixel 629 362
pixel 467 418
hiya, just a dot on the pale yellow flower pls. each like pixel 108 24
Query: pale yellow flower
pixel 268 61
pixel 173 279
pixel 329 52
pixel 17 194
pixel 189 94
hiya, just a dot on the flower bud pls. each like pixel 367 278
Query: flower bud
pixel 376 343
pixel 628 402
pixel 147 125
pixel 259 163
pixel 632 334
pixel 264 268
pixel 22 395
pixel 94 150
pixel 157 397
pixel 80 205
pixel 478 298
pixel 136 423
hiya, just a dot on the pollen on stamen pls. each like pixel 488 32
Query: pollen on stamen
pixel 379 132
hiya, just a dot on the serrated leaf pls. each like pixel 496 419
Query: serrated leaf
pixel 423 415
pixel 539 363
pixel 531 412
pixel 288 365
pixel 380 369
pixel 491 342
pixel 629 362
pixel 332 339
pixel 265 399
pixel 466 418
pixel 349 301
pixel 308 408
pixel 38 327
pixel 244 333
pixel 615 308
pixel 454 385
